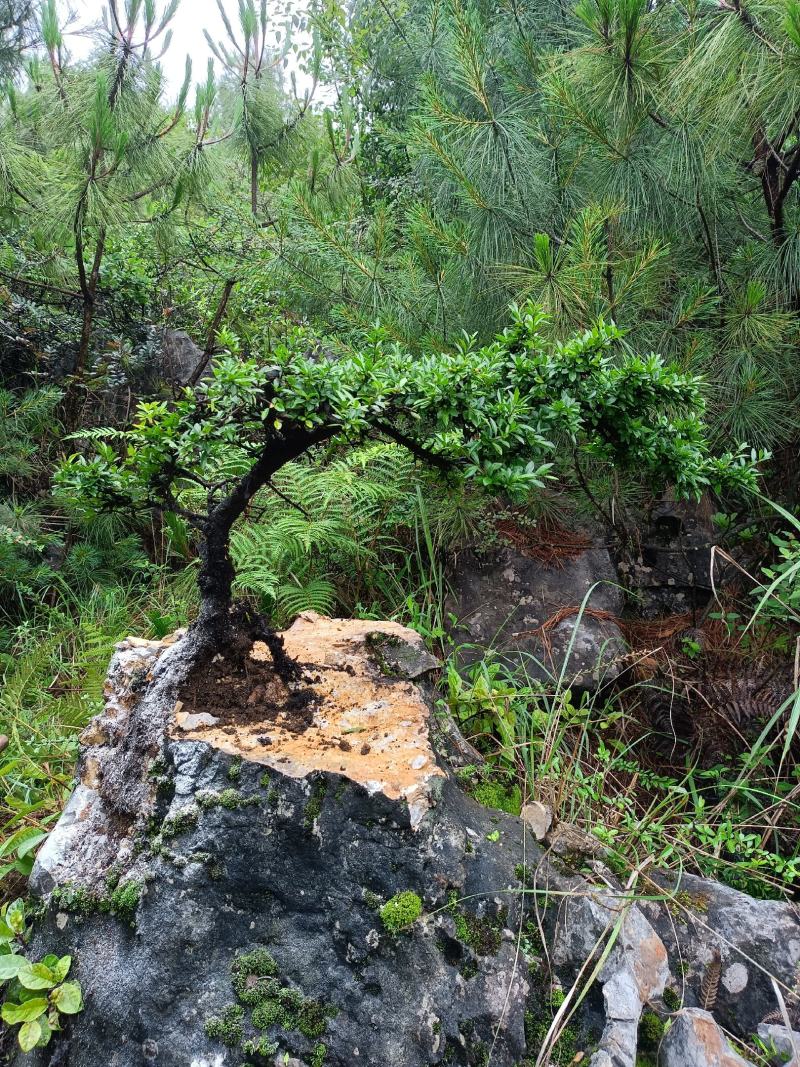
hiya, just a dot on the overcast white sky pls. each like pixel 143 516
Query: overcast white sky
pixel 193 16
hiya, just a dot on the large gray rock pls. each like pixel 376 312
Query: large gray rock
pixel 179 356
pixel 756 940
pixel 229 838
pixel 635 971
pixel 785 1042
pixel 500 601
pixel 695 1040
pixel 670 574
pixel 219 878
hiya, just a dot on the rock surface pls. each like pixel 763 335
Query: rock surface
pixel 501 601
pixel 286 844
pixel 756 939
pixel 328 893
pixel 671 574
pixel 695 1040
pixel 635 971
pixel 785 1042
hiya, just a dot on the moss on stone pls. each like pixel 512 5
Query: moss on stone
pixel 503 796
pixel 557 998
pixel 180 822
pixel 255 981
pixel 372 900
pixel 481 935
pixel 377 644
pixel 289 1009
pixel 122 902
pixel 401 911
pixel 672 1000
pixel 228 1027
pixel 267 1014
pixel 261 1047
pixel 75 899
pixel 253 978
pixel 319 1055
pixel 313 808
pixel 651 1028
pixel 683 901
pixel 565 1049
pixel 230 799
pixel 157 767
pixel 233 799
pixel 235 769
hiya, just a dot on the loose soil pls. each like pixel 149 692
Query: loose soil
pixel 238 687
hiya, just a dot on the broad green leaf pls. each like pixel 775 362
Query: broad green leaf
pixel 15 916
pixel 47 1031
pixel 36 976
pixel 24 1013
pixel 10 966
pixel 61 968
pixel 30 1034
pixel 19 839
pixel 68 998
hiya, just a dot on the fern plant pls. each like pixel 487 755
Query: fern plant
pixel 327 536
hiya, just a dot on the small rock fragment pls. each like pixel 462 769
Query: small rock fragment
pixel 538 817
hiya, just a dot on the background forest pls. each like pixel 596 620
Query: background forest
pixel 420 165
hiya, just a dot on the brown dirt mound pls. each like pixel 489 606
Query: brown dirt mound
pixel 241 685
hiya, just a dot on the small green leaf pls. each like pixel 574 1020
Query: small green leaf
pixel 68 998
pixel 30 1034
pixel 23 1013
pixel 10 966
pixel 36 976
pixel 47 1031
pixel 61 968
pixel 30 843
pixel 493 836
pixel 15 916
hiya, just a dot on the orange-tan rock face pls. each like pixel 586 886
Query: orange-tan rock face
pixel 368 724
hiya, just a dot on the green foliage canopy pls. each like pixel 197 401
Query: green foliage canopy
pixel 499 414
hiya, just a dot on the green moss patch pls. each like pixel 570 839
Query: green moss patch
pixel 505 796
pixel 401 911
pixel 180 822
pixel 228 1027
pixel 483 936
pixel 313 808
pixel 122 901
pixel 265 1003
pixel 230 799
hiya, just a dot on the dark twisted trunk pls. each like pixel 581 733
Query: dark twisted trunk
pixel 214 627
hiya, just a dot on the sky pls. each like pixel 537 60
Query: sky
pixel 193 16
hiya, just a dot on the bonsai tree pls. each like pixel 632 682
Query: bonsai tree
pixel 500 415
